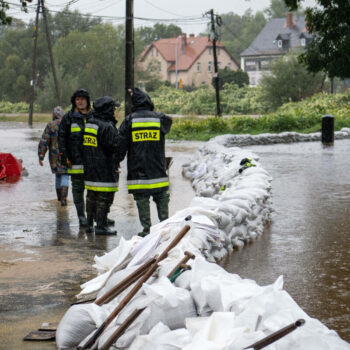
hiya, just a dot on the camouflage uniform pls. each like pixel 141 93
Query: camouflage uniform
pixel 49 142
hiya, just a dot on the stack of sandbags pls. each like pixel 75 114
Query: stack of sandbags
pixel 283 137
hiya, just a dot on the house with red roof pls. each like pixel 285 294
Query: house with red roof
pixel 186 60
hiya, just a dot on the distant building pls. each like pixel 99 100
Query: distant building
pixel 191 57
pixel 279 36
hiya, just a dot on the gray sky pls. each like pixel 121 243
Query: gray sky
pixel 186 13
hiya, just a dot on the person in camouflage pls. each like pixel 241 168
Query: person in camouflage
pixel 49 142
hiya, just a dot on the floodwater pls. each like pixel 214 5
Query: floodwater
pixel 44 257
pixel 308 240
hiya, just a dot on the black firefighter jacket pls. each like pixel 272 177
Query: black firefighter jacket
pixel 142 137
pixel 100 152
pixel 70 140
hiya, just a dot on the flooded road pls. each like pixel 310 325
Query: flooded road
pixel 44 258
pixel 43 255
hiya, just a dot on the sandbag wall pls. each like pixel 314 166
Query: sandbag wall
pixel 206 307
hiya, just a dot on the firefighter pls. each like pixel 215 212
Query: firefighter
pixel 142 138
pixel 70 138
pixel 49 141
pixel 101 164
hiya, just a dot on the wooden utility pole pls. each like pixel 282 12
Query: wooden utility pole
pixel 216 71
pixel 32 82
pixel 129 53
pixel 49 46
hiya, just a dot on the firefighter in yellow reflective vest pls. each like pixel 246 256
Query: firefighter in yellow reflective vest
pixel 70 137
pixel 101 164
pixel 142 138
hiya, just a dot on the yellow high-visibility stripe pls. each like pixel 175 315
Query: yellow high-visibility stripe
pixel 102 189
pixel 148 186
pixel 145 124
pixel 75 129
pixel 91 131
pixel 75 171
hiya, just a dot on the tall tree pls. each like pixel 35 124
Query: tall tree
pixel 330 49
pixel 237 32
pixel 277 9
pixel 5 6
pixel 288 80
pixel 158 31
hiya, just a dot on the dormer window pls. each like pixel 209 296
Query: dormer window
pixel 279 44
pixel 303 42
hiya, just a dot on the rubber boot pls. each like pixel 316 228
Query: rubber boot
pixel 162 202
pixel 90 210
pixel 142 202
pixel 64 194
pixel 58 192
pixel 110 222
pixel 101 224
pixel 81 214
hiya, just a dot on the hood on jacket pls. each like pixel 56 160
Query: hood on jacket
pixel 104 108
pixel 57 113
pixel 140 100
pixel 80 93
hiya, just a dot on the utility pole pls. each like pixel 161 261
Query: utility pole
pixel 129 53
pixel 49 46
pixel 32 82
pixel 216 71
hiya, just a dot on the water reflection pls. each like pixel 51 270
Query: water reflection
pixel 308 240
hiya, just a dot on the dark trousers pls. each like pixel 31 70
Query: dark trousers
pixel 78 188
pixel 142 201
pixel 98 205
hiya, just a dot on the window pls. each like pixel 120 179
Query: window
pixel 229 65
pixel 198 67
pixel 279 44
pixel 303 42
pixel 210 68
pixel 209 50
pixel 159 67
pixel 156 52
pixel 219 65
pixel 152 51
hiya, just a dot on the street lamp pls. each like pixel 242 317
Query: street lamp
pixel 176 82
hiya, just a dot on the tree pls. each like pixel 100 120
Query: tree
pixel 278 9
pixel 289 80
pixel 237 32
pixel 95 58
pixel 238 77
pixel 4 6
pixel 16 40
pixel 330 48
pixel 158 31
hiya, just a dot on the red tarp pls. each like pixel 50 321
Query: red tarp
pixel 9 166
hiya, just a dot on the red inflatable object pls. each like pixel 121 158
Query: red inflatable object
pixel 9 166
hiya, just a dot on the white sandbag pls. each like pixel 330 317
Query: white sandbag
pixel 161 338
pixel 77 323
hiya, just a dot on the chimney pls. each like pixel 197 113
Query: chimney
pixel 289 20
pixel 183 43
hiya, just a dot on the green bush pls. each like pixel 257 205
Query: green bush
pixel 18 107
pixel 304 116
pixel 202 101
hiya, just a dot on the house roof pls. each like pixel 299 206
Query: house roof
pixel 265 42
pixel 194 48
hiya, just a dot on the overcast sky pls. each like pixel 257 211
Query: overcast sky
pixel 188 14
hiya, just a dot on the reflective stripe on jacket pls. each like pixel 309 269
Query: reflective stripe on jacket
pixel 70 140
pixel 142 138
pixel 99 155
